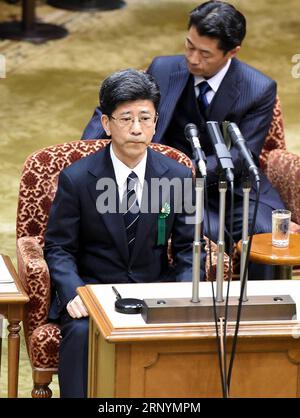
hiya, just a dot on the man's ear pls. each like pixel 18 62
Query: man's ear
pixel 155 125
pixel 234 51
pixel 106 124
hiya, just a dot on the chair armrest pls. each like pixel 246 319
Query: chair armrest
pixel 34 274
pixel 283 171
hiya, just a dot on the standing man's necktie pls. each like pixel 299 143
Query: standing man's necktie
pixel 204 87
pixel 132 211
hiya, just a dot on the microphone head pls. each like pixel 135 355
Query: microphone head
pixel 191 130
pixel 234 132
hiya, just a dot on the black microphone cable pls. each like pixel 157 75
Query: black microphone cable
pixel 229 280
pixel 226 166
pixel 240 305
pixel 222 374
pixel 192 134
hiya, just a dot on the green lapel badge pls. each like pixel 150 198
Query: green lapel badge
pixel 161 230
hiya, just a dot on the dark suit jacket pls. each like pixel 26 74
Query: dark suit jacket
pixel 245 96
pixel 83 246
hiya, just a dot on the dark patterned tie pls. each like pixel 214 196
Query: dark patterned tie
pixel 204 87
pixel 131 210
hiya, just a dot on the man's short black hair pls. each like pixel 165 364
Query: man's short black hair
pixel 219 20
pixel 127 86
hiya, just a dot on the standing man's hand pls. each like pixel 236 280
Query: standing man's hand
pixel 76 308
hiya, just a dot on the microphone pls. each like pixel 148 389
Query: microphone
pixel 221 150
pixel 238 140
pixel 191 133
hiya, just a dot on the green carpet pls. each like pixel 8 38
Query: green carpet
pixel 51 90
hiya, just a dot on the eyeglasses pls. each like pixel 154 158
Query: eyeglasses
pixel 146 121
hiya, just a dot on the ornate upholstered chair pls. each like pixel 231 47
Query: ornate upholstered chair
pixel 283 170
pixel 275 138
pixel 282 167
pixel 37 189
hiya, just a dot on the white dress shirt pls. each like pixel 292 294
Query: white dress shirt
pixel 122 172
pixel 214 82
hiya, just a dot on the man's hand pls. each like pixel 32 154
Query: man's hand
pixel 76 308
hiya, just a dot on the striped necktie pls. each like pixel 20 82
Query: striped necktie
pixel 131 210
pixel 204 87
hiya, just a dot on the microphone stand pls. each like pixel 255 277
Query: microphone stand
pixel 174 310
pixel 245 238
pixel 221 240
pixel 197 236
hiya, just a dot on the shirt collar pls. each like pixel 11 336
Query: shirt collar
pixel 216 80
pixel 122 171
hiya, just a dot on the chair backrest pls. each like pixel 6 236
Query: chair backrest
pixel 275 138
pixel 40 175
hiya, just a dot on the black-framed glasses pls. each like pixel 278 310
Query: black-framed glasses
pixel 145 120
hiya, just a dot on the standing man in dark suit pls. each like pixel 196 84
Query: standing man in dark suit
pixel 112 216
pixel 210 83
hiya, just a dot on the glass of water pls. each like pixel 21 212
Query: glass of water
pixel 281 219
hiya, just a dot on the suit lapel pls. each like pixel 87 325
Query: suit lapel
pixel 102 168
pixel 226 95
pixel 177 82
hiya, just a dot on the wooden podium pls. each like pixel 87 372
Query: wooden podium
pixel 129 358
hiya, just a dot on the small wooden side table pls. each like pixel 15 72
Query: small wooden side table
pixel 12 300
pixel 29 29
pixel 262 251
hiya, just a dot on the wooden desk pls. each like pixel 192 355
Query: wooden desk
pixel 12 300
pixel 262 251
pixel 129 358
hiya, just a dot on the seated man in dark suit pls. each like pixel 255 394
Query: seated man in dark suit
pixel 106 224
pixel 210 83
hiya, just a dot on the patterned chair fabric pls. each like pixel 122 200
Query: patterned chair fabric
pixel 275 138
pixel 39 182
pixel 283 170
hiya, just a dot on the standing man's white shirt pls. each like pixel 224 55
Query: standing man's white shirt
pixel 214 82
